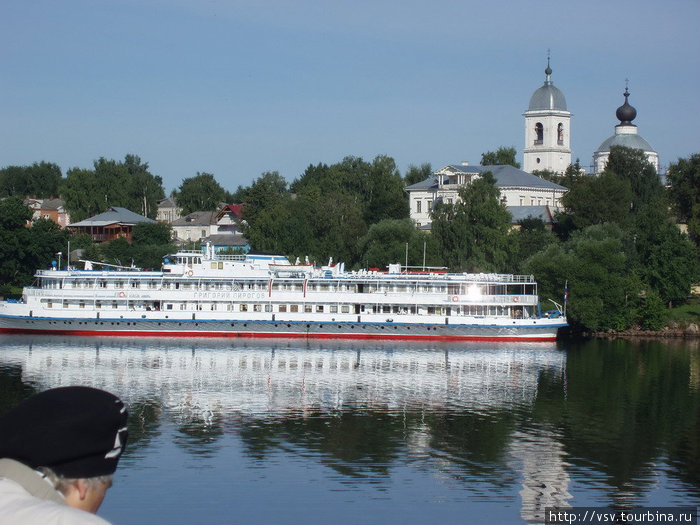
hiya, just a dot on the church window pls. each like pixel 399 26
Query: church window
pixel 538 160
pixel 539 133
pixel 560 134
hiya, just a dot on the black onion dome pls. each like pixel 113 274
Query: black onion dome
pixel 626 113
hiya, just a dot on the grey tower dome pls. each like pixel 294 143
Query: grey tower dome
pixel 548 97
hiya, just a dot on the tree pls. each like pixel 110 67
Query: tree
pixel 145 233
pixel 40 180
pixel 128 184
pixel 596 200
pixel 377 188
pixel 531 238
pixel 684 191
pixel 83 194
pixel 14 239
pixel 416 174
pixel 200 193
pixel 501 157
pixel 390 240
pixel 144 189
pixel 384 196
pixel 267 192
pixel 571 175
pixel 667 260
pixel 633 166
pixel 22 249
pixel 473 232
pixel 652 314
pixel 603 292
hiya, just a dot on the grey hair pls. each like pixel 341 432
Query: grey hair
pixel 61 483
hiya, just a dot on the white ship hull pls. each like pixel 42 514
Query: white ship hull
pixel 535 331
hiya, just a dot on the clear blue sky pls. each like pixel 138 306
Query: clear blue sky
pixel 237 88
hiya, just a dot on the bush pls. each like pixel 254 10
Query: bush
pixel 652 314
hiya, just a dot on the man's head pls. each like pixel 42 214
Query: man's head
pixel 74 434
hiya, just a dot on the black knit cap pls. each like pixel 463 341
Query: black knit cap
pixel 77 431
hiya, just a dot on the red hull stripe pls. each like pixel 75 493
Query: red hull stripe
pixel 282 335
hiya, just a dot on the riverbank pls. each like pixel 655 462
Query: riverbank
pixel 672 330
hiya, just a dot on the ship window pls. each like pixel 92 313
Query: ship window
pixel 103 284
pixel 308 309
pixel 183 306
pixel 268 307
pixel 49 304
pixel 229 307
pixel 221 265
pixel 345 309
pixel 334 308
pixel 169 306
pixel 65 304
pixel 213 306
pixel 282 308
pixel 294 308
pixel 386 309
pixel 213 265
pixel 134 284
pixel 243 308
pixel 257 308
pixel 319 308
pixel 119 284
pixel 114 304
pixel 98 304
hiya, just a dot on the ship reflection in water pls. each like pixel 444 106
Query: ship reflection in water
pixel 467 417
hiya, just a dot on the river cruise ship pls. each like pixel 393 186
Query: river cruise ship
pixel 204 294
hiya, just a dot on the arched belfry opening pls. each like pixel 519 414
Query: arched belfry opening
pixel 539 133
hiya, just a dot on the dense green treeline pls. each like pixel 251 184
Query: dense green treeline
pixel 619 248
pixel 616 242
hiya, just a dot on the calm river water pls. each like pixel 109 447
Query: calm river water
pixel 297 432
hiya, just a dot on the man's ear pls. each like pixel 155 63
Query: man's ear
pixel 82 487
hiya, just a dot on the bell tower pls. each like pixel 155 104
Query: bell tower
pixel 547 129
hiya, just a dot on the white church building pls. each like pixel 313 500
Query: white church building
pixel 547 147
pixel 518 188
pixel 625 135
